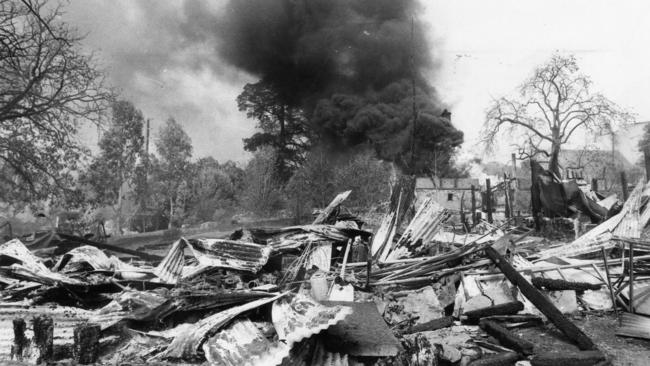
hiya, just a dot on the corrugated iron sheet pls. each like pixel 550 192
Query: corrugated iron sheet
pixel 580 247
pixel 171 267
pixel 27 266
pixel 630 225
pixel 230 254
pixel 323 357
pixel 633 325
pixel 65 320
pixel 187 340
pixel 298 317
pixel 242 344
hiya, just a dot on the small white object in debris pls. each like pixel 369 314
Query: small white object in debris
pixel 566 301
pixel 450 354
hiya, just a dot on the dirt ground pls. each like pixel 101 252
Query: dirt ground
pixel 601 327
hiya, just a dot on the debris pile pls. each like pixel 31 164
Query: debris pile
pixel 413 292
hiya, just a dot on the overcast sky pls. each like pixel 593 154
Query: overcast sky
pixel 161 55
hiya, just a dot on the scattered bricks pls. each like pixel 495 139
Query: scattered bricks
pixel 507 338
pixel 560 285
pixel 568 358
pixel 541 302
pixel 434 324
pixel 21 343
pixel 507 308
pixel 86 343
pixel 497 359
pixel 43 338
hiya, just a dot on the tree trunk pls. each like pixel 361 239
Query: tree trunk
pixel 171 212
pixel 554 164
pixel 118 211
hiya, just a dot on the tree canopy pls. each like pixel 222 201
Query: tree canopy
pixel 552 105
pixel 282 126
pixel 174 149
pixel 48 86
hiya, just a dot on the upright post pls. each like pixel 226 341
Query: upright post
pixel 506 191
pixel 646 159
pixel 626 194
pixel 43 338
pixel 594 184
pixel 474 220
pixel 488 198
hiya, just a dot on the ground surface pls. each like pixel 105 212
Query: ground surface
pixel 601 328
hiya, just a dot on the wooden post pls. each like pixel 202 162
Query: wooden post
pixel 474 220
pixel 506 191
pixel 631 274
pixel 20 340
pixel 488 198
pixel 86 343
pixel 541 302
pixel 594 184
pixel 646 159
pixel 626 194
pixel 44 338
pixel 534 198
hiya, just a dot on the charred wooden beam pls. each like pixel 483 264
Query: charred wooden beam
pixel 507 338
pixel 567 358
pixel 497 359
pixel 86 343
pixel 43 338
pixel 516 318
pixel 434 324
pixel 20 340
pixel 507 308
pixel 551 284
pixel 541 302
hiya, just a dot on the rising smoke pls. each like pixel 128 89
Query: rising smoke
pixel 353 66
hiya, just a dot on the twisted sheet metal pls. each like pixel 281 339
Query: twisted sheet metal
pixel 242 344
pixel 230 254
pixel 171 267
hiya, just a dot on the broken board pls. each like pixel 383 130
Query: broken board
pixel 362 333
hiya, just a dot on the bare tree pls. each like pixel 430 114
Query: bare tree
pixel 551 106
pixel 48 87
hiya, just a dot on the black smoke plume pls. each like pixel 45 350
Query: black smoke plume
pixel 355 67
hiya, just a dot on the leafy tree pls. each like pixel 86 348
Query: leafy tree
pixel 174 149
pixel 324 174
pixel 282 126
pixel 262 193
pixel 551 106
pixel 214 189
pixel 115 167
pixel 47 88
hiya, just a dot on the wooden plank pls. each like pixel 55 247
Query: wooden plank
pixel 541 302
pixel 566 358
pixel 362 333
pixel 322 217
pixel 507 338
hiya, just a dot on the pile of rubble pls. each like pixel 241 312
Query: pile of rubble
pixel 328 293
